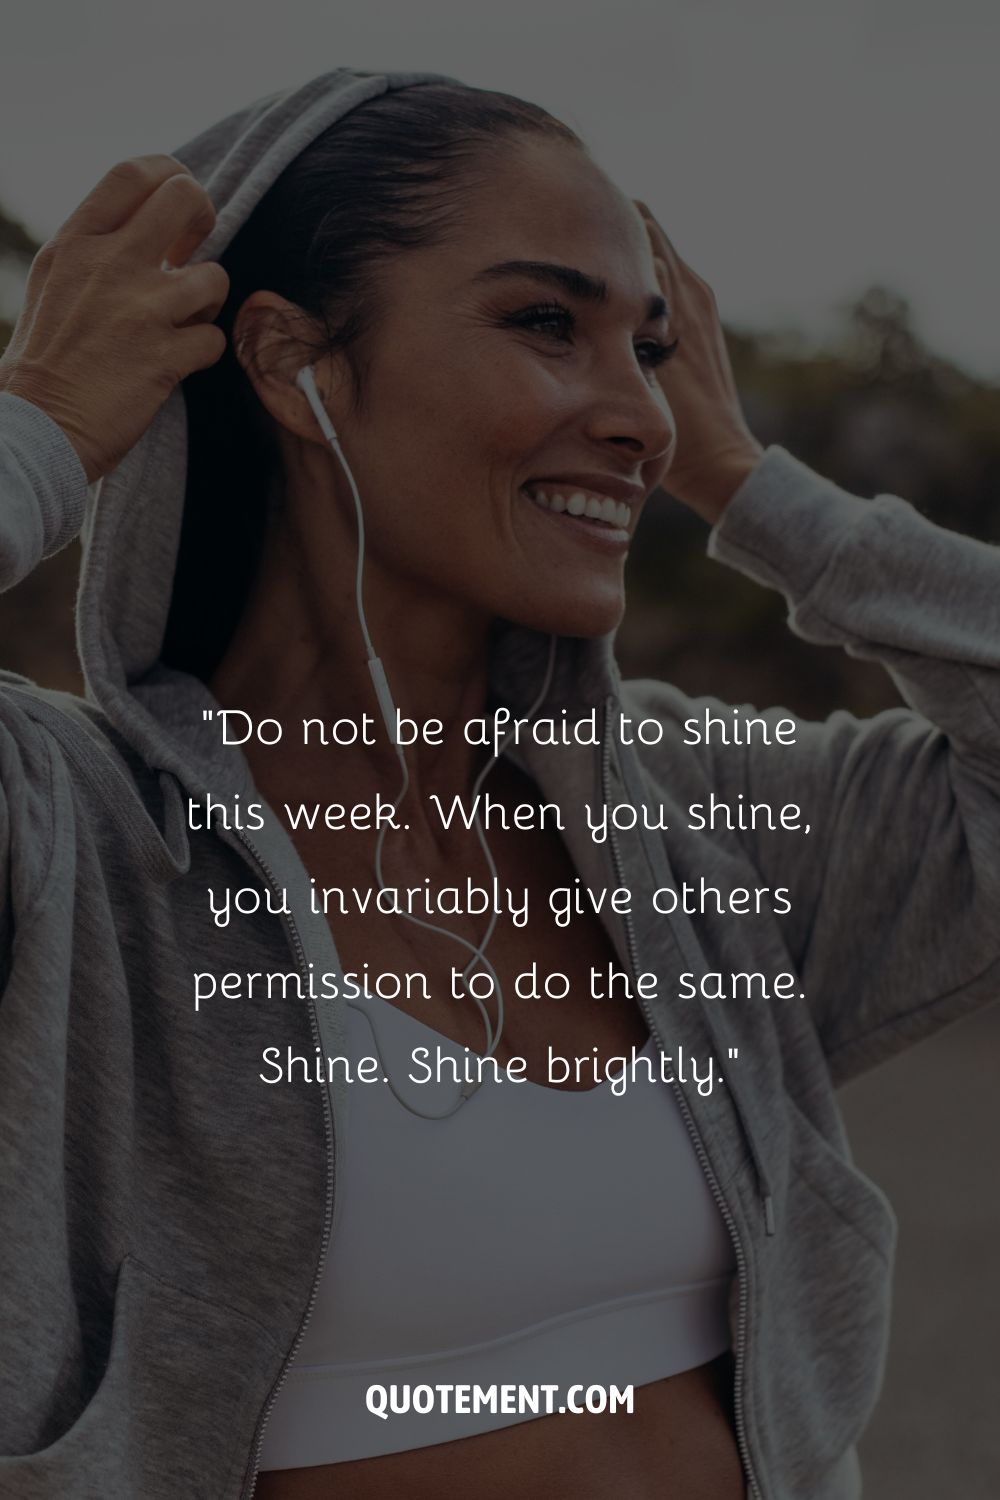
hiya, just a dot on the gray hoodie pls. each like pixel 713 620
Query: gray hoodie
pixel 166 1216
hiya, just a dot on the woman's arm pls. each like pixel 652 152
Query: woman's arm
pixel 105 334
pixel 43 488
pixel 107 330
pixel 113 317
pixel 895 922
pixel 897 887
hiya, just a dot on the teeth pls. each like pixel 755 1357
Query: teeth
pixel 617 513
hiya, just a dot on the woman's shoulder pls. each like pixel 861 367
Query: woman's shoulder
pixel 43 728
pixel 62 715
pixel 64 766
pixel 656 714
pixel 680 737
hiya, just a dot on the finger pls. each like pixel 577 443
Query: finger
pixel 661 242
pixel 172 222
pixel 197 293
pixel 664 247
pixel 182 249
pixel 198 347
pixel 683 282
pixel 672 292
pixel 120 193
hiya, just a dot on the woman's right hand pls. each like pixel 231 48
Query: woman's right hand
pixel 107 328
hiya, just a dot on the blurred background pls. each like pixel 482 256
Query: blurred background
pixel 831 173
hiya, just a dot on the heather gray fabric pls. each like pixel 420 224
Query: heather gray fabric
pixel 164 1218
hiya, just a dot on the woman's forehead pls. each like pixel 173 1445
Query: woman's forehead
pixel 548 201
pixel 554 185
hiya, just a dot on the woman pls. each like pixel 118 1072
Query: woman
pixel 208 1268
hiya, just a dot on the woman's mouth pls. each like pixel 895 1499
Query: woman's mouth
pixel 599 518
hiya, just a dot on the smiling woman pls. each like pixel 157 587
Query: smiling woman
pixel 434 171
pixel 446 395
pixel 485 343
pixel 552 403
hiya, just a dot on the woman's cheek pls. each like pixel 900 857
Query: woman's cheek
pixel 542 396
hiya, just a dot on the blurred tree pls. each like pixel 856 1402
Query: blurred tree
pixel 15 239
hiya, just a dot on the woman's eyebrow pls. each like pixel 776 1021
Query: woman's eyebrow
pixel 577 283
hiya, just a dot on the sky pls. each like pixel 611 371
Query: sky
pixel 796 153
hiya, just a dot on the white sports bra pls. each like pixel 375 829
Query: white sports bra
pixel 537 1235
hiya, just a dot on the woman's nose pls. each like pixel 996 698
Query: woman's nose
pixel 632 412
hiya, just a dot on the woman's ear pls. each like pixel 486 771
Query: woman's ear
pixel 272 340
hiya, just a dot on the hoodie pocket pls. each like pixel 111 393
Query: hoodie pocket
pixel 847 1193
pixel 174 1412
pixel 823 1333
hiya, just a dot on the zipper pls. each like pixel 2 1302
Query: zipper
pixel 739 1417
pixel 253 1465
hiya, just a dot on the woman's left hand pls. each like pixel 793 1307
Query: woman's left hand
pixel 715 448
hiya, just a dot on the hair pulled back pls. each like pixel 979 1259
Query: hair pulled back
pixel 390 176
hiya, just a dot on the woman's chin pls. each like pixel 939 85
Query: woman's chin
pixel 587 615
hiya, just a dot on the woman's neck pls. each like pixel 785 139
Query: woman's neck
pixel 298 654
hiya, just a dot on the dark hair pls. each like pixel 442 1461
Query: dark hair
pixel 389 176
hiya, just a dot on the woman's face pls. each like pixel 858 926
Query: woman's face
pixel 499 402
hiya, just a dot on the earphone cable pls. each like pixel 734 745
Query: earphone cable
pixel 306 382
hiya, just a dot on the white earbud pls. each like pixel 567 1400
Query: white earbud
pixel 306 381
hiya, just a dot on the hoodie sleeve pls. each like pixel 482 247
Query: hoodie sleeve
pixel 896 890
pixel 43 489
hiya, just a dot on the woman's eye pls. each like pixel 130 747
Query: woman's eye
pixel 558 322
pixel 654 353
pixel 552 319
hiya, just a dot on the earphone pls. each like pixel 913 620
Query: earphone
pixel 306 381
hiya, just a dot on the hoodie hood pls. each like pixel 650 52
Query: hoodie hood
pixel 133 521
